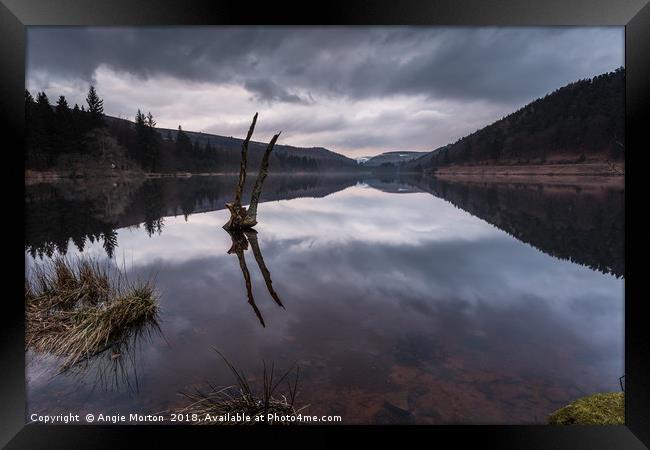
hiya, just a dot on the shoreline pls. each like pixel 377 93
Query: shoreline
pixel 35 177
pixel 614 169
pixel 586 173
pixel 589 172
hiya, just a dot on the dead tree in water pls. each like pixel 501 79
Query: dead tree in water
pixel 240 218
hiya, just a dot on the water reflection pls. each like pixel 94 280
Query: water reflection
pixel 240 242
pixel 114 369
pixel 580 223
pixel 90 211
pixel 401 306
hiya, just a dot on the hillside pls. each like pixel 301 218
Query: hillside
pixel 580 122
pixel 392 158
pixel 232 143
pixel 213 153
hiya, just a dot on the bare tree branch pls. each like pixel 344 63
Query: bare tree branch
pixel 257 253
pixel 251 216
pixel 243 162
pixel 239 245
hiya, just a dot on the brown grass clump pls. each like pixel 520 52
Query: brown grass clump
pixel 79 308
pixel 242 399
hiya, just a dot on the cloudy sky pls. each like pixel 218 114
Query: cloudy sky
pixel 358 91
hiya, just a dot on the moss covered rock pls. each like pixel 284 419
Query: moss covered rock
pixel 598 409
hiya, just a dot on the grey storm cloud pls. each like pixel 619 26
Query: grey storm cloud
pixel 358 90
pixel 265 89
pixel 490 63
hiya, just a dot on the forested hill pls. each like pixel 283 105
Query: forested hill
pixel 83 141
pixel 202 152
pixel 322 157
pixel 583 121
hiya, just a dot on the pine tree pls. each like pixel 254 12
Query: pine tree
pixel 44 127
pixel 140 138
pixel 152 145
pixel 183 148
pixel 149 120
pixel 139 119
pixel 30 106
pixel 62 104
pixel 95 108
pixel 78 124
pixel 147 148
pixel 64 136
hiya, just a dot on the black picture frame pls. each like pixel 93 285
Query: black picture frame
pixel 15 15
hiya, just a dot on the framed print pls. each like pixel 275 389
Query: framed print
pixel 367 217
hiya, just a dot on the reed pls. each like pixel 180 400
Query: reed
pixel 241 398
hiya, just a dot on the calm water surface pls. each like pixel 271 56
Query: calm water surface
pixel 405 301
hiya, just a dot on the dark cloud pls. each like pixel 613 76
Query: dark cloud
pixel 503 64
pixel 356 90
pixel 266 90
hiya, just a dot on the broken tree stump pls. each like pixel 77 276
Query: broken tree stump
pixel 240 217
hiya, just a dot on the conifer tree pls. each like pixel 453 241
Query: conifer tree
pixel 140 137
pixel 152 145
pixel 64 136
pixel 95 108
pixel 44 127
pixel 149 120
pixel 183 148
pixel 29 126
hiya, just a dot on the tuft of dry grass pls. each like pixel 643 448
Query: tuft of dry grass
pixel 77 308
pixel 242 399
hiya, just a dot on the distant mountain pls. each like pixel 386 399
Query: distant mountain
pixel 392 158
pixel 583 121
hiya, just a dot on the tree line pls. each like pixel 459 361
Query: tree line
pixel 56 130
pixel 60 137
pixel 53 130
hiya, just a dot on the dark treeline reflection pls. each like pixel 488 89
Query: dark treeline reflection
pixel 77 212
pixel 580 223
pixel 583 224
